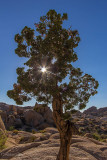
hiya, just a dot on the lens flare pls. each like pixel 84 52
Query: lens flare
pixel 43 69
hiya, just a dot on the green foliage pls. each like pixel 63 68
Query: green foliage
pixel 81 130
pixel 42 131
pixel 99 137
pixel 15 131
pixel 34 132
pixel 53 48
pixel 11 128
pixel 30 139
pixel 3 139
pixel 96 136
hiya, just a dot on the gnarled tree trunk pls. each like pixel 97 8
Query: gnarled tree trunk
pixel 64 127
pixel 65 141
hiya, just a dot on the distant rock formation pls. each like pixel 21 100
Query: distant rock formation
pixel 93 111
pixel 40 117
pixel 26 118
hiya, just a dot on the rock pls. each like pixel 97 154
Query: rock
pixel 47 149
pixel 51 130
pixel 3 115
pixel 33 118
pixel 10 121
pixel 4 106
pixel 48 116
pixel 55 136
pixel 40 117
pixel 20 111
pixel 18 123
pixel 92 111
pixel 46 112
pixel 88 135
pixel 43 126
pixel 12 110
pixel 2 126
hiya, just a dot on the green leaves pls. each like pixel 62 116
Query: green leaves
pixel 20 70
pixel 53 48
pixel 18 38
pixel 21 51
pixel 18 95
pixel 28 35
pixel 65 16
pixel 82 106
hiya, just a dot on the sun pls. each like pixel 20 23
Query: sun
pixel 43 69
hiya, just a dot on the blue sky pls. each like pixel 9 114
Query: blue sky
pixel 89 17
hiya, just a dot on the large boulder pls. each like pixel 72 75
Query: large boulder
pixel 2 126
pixel 48 116
pixel 20 111
pixel 43 126
pixel 91 111
pixel 46 112
pixel 33 118
pixel 10 121
pixel 12 110
pixel 4 106
pixel 18 123
pixel 3 115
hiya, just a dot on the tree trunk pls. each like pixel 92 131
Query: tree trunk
pixel 65 141
pixel 64 127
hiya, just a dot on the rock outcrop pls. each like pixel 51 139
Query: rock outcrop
pixel 93 111
pixel 2 126
pixel 39 117
pixel 26 118
pixel 45 146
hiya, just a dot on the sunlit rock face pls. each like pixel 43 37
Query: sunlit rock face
pixel 33 118
pixel 26 118
pixel 39 117
pixel 91 110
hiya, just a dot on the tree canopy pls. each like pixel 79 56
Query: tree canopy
pixel 54 49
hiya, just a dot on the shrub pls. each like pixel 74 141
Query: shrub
pixel 42 131
pixel 15 131
pixel 27 139
pixel 3 139
pixel 96 136
pixel 32 139
pixel 11 128
pixel 103 136
pixel 33 131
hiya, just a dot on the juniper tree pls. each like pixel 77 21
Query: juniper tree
pixel 49 60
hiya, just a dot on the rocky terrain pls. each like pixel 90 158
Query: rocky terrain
pixel 31 134
pixel 92 122
pixel 26 118
pixel 44 145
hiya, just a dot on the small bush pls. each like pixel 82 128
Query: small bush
pixel 15 131
pixel 103 136
pixel 33 131
pixel 3 139
pixel 96 136
pixel 42 131
pixel 32 139
pixel 11 128
pixel 27 139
